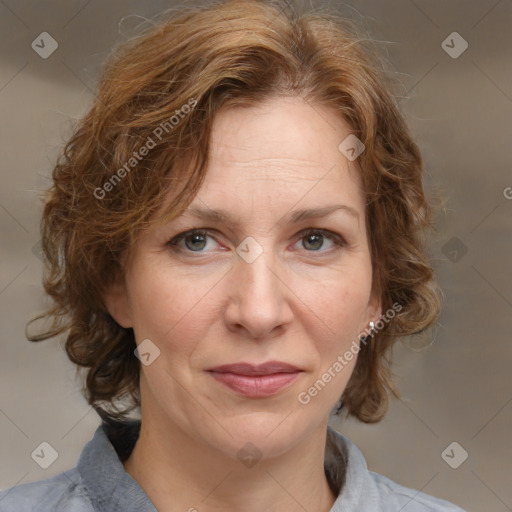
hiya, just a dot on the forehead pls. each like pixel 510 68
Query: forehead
pixel 271 162
pixel 282 148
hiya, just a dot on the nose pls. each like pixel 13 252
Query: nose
pixel 258 297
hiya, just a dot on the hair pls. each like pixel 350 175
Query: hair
pixel 162 90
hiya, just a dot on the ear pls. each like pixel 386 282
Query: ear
pixel 118 304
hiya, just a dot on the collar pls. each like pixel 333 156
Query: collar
pixel 109 486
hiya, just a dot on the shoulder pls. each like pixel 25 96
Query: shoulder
pixel 63 492
pixel 396 497
pixel 367 491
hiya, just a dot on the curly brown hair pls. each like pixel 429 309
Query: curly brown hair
pixel 106 187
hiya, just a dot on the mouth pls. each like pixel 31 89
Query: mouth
pixel 252 380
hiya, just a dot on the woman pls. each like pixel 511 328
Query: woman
pixel 234 242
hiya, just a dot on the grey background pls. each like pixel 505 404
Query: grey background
pixel 459 109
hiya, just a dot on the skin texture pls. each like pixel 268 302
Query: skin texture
pixel 303 301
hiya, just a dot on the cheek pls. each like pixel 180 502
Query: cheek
pixel 170 309
pixel 339 310
pixel 340 304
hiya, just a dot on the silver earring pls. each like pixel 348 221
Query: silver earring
pixel 365 338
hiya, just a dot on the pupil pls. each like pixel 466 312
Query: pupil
pixel 318 238
pixel 195 239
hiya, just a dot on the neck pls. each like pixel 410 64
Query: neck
pixel 181 473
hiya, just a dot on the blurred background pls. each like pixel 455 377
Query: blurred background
pixel 449 434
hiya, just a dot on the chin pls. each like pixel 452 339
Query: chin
pixel 265 433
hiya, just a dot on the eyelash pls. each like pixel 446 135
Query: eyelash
pixel 338 240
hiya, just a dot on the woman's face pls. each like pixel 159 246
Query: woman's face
pixel 261 283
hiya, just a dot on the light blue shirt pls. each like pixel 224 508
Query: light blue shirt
pixel 99 483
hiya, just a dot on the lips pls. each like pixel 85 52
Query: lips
pixel 256 380
pixel 268 368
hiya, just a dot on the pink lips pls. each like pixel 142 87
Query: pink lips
pixel 256 380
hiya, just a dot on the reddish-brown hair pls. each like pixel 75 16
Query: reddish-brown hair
pixel 232 53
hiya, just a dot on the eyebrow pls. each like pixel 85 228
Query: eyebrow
pixel 294 217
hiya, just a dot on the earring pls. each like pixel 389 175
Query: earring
pixel 365 338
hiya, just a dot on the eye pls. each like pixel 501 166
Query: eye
pixel 194 240
pixel 313 240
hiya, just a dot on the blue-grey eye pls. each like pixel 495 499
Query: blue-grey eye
pixel 194 240
pixel 313 240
